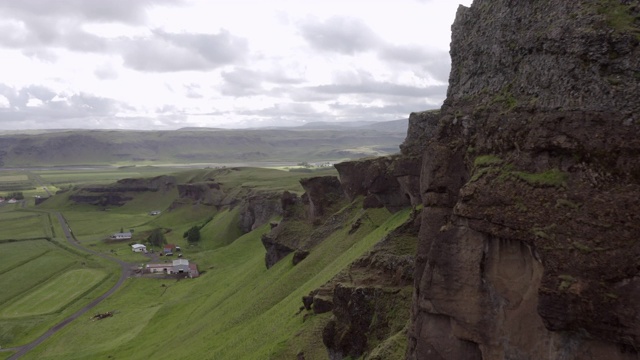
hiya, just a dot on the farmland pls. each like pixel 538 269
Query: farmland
pixel 235 309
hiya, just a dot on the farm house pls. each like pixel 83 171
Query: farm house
pixel 138 248
pixel 121 236
pixel 180 266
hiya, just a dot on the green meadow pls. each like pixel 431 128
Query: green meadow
pixel 236 309
pixel 54 294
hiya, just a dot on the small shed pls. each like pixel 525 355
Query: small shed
pixel 193 270
pixel 138 248
pixel 169 249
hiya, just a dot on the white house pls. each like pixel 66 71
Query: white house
pixel 139 248
pixel 121 236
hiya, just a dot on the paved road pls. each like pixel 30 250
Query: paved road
pixel 125 273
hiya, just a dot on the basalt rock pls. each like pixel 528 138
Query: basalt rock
pixel 258 210
pixel 107 199
pixel 205 193
pixel 528 244
pixel 306 220
pixel 321 193
pixel 275 250
pixel 422 127
pixel 122 191
pixel 392 182
pixel 361 315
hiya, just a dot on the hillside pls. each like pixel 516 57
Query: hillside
pixel 99 147
pixel 246 304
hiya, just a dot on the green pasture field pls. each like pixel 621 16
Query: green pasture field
pixel 237 309
pixel 86 177
pixel 13 254
pixel 24 225
pixel 28 275
pixel 13 178
pixel 33 268
pixel 104 175
pixel 135 305
pixel 55 294
pixel 11 181
pixel 270 179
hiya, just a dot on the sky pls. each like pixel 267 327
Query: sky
pixel 169 64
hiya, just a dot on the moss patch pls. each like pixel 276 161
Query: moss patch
pixel 553 177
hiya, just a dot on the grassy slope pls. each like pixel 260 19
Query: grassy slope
pixel 236 310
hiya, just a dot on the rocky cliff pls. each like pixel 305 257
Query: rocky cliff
pixel 528 244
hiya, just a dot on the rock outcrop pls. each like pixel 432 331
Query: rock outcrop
pixel 321 192
pixel 391 182
pixel 527 247
pixel 257 210
pixel 306 220
pixel 122 191
pixel 422 127
pixel 205 193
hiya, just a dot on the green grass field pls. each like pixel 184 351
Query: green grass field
pixel 23 225
pixel 14 254
pixel 237 309
pixel 13 178
pixel 42 280
pixel 34 272
pixel 54 294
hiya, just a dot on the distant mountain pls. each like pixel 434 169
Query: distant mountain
pixel 395 126
pixel 387 126
pixel 197 145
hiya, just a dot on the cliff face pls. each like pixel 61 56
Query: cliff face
pixel 528 244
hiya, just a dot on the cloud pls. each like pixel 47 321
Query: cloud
pixel 124 11
pixel 34 34
pixel 193 91
pixel 340 34
pixel 406 54
pixel 391 111
pixel 106 72
pixel 38 103
pixel 242 81
pixel 362 82
pixel 166 52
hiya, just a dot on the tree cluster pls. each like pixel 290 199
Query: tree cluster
pixel 16 195
pixel 157 238
pixel 193 234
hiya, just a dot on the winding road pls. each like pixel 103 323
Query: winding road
pixel 125 273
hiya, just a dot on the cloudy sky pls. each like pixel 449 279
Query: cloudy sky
pixel 166 64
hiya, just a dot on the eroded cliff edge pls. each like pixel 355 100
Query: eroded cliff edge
pixel 528 247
